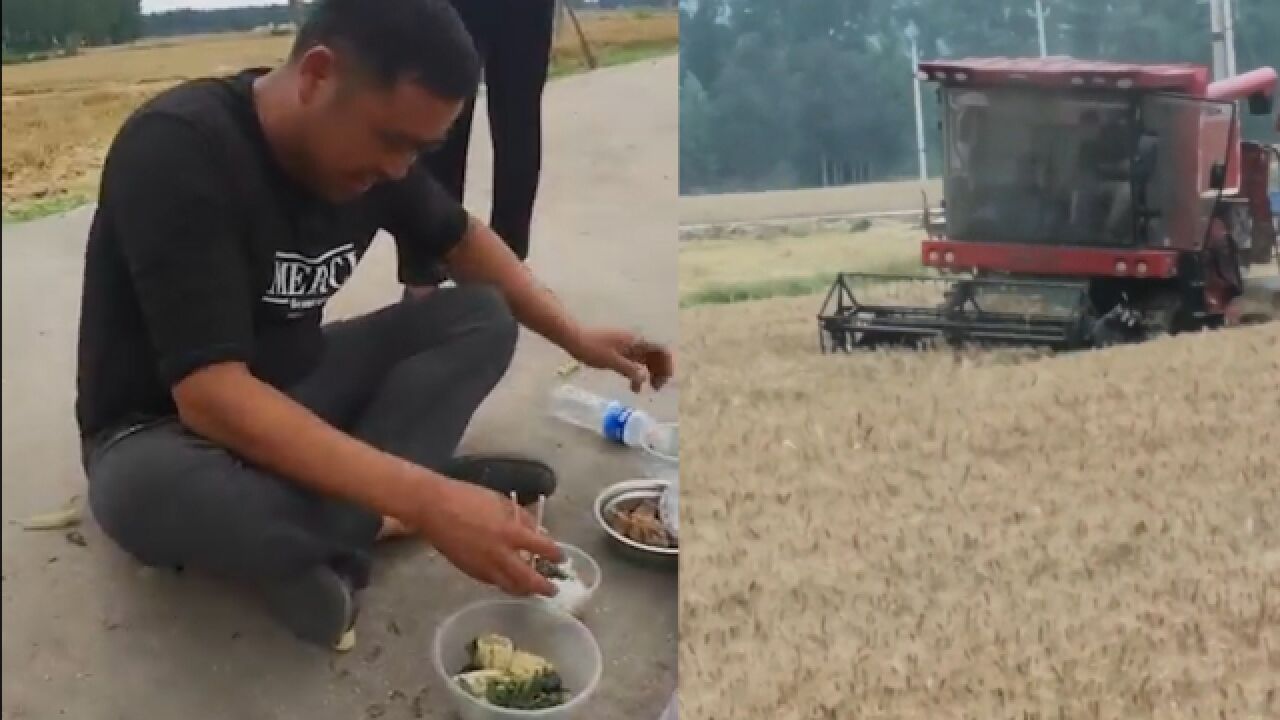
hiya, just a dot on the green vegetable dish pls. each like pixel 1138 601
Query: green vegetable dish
pixel 504 676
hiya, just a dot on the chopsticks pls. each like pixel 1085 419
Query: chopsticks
pixel 542 505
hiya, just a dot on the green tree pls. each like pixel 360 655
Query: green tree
pixel 41 25
pixel 703 41
pixel 697 152
pixel 752 123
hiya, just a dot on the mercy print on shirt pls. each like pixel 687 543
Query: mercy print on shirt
pixel 300 283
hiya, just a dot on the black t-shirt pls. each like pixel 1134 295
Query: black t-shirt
pixel 203 251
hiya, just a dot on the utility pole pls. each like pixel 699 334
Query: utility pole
pixel 1222 35
pixel 1040 16
pixel 1217 36
pixel 911 33
pixel 1229 32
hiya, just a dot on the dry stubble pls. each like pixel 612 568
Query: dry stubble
pixel 977 536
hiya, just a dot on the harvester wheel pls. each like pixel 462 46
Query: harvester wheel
pixel 1082 328
pixel 1155 316
pixel 1105 335
pixel 1160 315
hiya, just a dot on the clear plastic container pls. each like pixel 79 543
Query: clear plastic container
pixel 588 571
pixel 534 627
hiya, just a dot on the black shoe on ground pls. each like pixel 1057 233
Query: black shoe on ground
pixel 527 477
pixel 318 607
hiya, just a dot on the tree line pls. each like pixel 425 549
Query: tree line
pixel 32 26
pixel 806 93
pixel 196 22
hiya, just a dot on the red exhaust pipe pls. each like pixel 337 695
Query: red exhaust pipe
pixel 1255 82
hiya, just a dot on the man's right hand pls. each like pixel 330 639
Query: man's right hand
pixel 482 534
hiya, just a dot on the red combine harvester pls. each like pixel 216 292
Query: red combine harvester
pixel 1086 204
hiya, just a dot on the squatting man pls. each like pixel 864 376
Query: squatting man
pixel 225 428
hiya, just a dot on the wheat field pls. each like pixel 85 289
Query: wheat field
pixel 977 535
pixel 60 115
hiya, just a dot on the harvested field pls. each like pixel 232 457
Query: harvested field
pixel 1009 535
pixel 60 115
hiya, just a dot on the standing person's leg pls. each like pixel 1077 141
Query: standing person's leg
pixel 515 75
pixel 448 164
pixel 409 376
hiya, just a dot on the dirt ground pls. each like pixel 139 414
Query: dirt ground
pixel 865 198
pixel 60 115
pixel 900 535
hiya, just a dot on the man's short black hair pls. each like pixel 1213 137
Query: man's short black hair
pixel 392 40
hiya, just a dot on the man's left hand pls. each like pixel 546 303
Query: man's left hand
pixel 627 354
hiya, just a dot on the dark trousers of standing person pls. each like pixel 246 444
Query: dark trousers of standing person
pixel 407 379
pixel 514 39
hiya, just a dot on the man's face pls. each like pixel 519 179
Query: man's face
pixel 355 133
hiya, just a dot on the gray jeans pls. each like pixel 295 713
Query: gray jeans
pixel 407 379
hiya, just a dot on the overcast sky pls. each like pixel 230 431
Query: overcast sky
pixel 149 6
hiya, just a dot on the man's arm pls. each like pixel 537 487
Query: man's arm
pixel 226 404
pixel 168 195
pixel 482 256
pixel 429 224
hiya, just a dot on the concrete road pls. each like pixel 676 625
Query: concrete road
pixel 89 636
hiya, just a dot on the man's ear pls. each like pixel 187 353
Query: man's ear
pixel 316 68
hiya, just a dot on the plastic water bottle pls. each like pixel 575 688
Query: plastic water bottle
pixel 610 419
